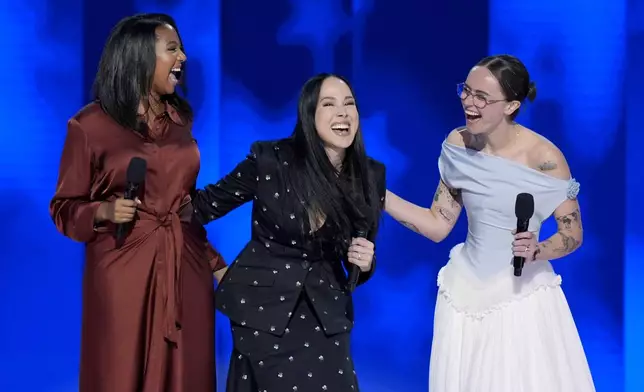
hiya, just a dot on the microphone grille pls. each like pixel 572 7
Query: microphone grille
pixel 136 170
pixel 524 206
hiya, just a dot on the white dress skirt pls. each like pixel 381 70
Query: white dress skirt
pixel 505 334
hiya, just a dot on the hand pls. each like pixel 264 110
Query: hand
pixel 219 274
pixel 361 253
pixel 525 245
pixel 118 211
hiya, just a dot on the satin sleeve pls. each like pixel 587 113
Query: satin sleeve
pixel 217 262
pixel 71 208
pixel 236 188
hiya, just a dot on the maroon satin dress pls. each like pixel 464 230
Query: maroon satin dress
pixel 148 307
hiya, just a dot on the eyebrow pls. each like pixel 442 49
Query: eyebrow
pixel 476 91
pixel 173 42
pixel 333 98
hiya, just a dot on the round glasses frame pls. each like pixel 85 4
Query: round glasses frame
pixel 479 100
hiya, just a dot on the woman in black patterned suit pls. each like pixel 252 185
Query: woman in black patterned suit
pixel 287 293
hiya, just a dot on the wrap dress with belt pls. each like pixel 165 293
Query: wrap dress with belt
pixel 148 306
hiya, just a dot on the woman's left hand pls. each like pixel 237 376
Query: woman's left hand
pixel 361 253
pixel 525 245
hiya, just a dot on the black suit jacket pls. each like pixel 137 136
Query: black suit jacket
pixel 262 285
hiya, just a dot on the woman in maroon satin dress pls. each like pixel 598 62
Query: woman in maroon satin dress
pixel 148 311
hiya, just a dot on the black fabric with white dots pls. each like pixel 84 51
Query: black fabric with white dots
pixel 283 262
pixel 303 359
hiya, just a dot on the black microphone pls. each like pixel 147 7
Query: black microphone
pixel 135 177
pixel 523 209
pixel 354 274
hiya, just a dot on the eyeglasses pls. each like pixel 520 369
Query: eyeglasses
pixel 479 100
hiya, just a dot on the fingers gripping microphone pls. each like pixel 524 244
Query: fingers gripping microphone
pixel 523 209
pixel 135 177
pixel 354 274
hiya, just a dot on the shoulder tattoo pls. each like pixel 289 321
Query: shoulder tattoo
pixel 547 165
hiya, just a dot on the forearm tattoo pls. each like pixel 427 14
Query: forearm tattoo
pixel 568 243
pixel 565 241
pixel 560 244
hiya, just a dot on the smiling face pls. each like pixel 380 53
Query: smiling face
pixel 336 115
pixel 483 102
pixel 170 59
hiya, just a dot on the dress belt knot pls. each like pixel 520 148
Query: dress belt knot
pixel 168 265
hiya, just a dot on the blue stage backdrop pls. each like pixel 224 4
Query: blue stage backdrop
pixel 247 61
pixel 634 214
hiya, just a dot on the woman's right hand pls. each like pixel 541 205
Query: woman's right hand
pixel 117 211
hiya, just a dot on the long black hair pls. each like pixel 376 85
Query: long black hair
pixel 346 199
pixel 513 77
pixel 126 69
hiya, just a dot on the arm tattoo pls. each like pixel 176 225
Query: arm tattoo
pixel 410 226
pixel 543 246
pixel 438 193
pixel 568 243
pixel 452 195
pixel 547 165
pixel 446 214
pixel 563 242
pixel 568 220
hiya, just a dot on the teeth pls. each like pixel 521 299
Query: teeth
pixel 470 113
pixel 176 69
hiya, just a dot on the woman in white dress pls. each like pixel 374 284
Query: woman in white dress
pixel 494 332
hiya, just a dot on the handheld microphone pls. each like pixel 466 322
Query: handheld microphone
pixel 135 177
pixel 354 274
pixel 523 209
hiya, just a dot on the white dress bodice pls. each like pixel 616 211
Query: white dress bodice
pixel 489 186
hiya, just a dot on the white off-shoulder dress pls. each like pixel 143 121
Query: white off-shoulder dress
pixel 494 332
